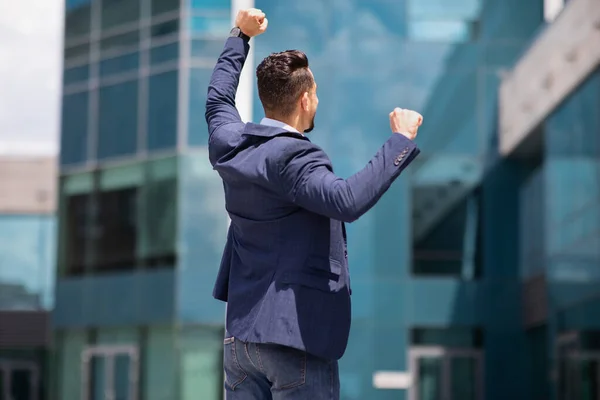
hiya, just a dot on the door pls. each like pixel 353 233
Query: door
pixel 581 378
pixel 441 373
pixel 110 373
pixel 19 380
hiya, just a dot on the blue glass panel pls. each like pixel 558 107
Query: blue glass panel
pixel 74 131
pixel 162 110
pixel 76 74
pixel 119 43
pixel 118 120
pixel 117 65
pixel 124 299
pixel 211 4
pixel 201 362
pixel 27 262
pixel 164 6
pixel 70 4
pixel 511 19
pixel 77 19
pixel 207 48
pixel 210 25
pixel 457 9
pixel 197 128
pixel 160 366
pixel 164 53
pixel 164 29
pixel 120 12
pixel 441 31
pixel 572 176
pixel 202 231
pixel 78 52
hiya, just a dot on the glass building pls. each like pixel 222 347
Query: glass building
pixel 449 269
pixel 27 273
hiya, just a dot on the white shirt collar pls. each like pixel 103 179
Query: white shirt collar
pixel 278 124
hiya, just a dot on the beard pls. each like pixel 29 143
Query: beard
pixel 312 125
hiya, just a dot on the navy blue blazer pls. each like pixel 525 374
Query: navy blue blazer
pixel 284 272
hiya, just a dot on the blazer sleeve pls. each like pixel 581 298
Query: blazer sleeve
pixel 220 100
pixel 306 178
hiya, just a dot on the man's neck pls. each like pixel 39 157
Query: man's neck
pixel 292 121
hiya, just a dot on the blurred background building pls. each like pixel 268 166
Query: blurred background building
pixel 475 276
pixel 27 259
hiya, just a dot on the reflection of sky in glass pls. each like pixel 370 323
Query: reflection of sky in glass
pixel 443 31
pixel 27 245
pixel 437 9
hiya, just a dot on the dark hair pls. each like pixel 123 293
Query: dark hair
pixel 282 79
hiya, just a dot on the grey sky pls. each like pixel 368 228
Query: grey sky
pixel 30 75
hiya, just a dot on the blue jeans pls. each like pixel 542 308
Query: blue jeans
pixel 256 371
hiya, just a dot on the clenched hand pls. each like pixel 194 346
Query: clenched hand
pixel 405 122
pixel 252 22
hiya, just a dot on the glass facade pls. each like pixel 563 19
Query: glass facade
pixel 27 254
pixel 438 266
pixel 566 176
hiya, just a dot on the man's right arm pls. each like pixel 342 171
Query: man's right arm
pixel 304 175
pixel 220 102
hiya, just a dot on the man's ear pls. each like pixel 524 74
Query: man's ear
pixel 305 101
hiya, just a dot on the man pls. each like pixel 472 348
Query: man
pixel 284 271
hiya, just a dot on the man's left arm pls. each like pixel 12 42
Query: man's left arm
pixel 220 101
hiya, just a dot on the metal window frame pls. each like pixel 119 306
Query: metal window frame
pixel 109 353
pixel 446 354
pixel 6 366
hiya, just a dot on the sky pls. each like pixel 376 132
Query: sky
pixel 30 76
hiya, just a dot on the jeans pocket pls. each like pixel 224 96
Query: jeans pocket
pixel 234 374
pixel 285 367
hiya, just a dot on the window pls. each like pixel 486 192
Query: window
pixel 120 218
pixel 75 223
pixel 122 362
pixel 439 20
pixel 162 110
pixel 216 5
pixel 26 262
pixel 120 64
pixel 198 130
pixel 165 53
pixel 210 49
pixel 538 355
pixel 77 19
pixel 76 74
pixel 117 225
pixel 79 52
pixel 119 43
pixel 118 12
pixel 446 363
pixel 70 345
pixel 201 361
pixel 118 120
pixel 578 365
pixel 164 29
pixel 210 26
pixel 160 364
pixel 74 135
pixel 158 237
pixel 446 234
pixel 163 6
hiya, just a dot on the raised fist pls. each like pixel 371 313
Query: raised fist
pixel 405 122
pixel 252 22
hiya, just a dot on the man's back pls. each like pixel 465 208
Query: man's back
pixel 281 261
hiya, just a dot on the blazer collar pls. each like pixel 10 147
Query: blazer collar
pixel 252 129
